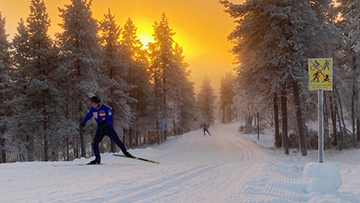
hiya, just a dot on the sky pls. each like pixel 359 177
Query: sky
pixel 224 167
pixel 201 28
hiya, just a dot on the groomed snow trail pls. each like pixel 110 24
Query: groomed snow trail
pixel 222 167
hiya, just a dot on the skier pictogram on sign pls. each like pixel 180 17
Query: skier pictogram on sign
pixel 320 74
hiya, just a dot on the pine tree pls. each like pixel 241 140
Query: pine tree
pixel 5 85
pixel 189 110
pixel 161 56
pixel 162 63
pixel 81 58
pixel 246 104
pixel 350 25
pixel 36 97
pixel 169 76
pixel 206 100
pixel 114 72
pixel 20 141
pixel 132 45
pixel 138 77
pixel 226 96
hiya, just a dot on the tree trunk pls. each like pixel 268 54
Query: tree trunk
pixel 3 152
pixel 326 122
pixel 299 119
pixel 136 136
pixel 229 114
pixel 130 137
pixel 30 148
pixel 358 129
pixel 341 117
pixel 67 149
pixel 354 98
pixel 333 118
pixel 285 138
pixel 82 143
pixel 353 112
pixel 76 146
pixel 276 122
pixel 46 156
pixel 223 114
pixel 67 136
pixel 341 132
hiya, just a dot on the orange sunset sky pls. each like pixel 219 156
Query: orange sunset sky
pixel 201 28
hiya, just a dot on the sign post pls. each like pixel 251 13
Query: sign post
pixel 320 78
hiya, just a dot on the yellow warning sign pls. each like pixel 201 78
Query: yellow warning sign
pixel 320 74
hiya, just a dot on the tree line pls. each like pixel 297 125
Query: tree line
pixel 46 83
pixel 273 41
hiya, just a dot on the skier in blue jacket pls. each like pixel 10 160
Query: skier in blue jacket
pixel 104 118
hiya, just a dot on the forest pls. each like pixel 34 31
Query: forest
pixel 273 42
pixel 46 83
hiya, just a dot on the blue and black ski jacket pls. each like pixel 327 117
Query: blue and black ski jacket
pixel 103 116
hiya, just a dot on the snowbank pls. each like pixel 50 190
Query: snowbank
pixel 322 177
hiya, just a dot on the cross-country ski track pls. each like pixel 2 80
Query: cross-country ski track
pixel 223 167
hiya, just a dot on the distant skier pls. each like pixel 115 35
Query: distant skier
pixel 104 119
pixel 205 128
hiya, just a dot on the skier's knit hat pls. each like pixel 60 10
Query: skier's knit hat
pixel 95 99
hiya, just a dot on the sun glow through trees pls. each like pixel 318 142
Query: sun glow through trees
pixel 201 27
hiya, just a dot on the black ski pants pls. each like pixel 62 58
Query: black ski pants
pixel 113 136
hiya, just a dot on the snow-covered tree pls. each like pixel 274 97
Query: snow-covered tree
pixel 273 41
pixel 136 60
pixel 189 109
pixel 130 41
pixel 350 59
pixel 206 99
pixel 167 74
pixel 5 68
pixel 114 73
pixel 19 141
pixel 36 98
pixel 81 60
pixel 161 56
pixel 226 96
pixel 246 104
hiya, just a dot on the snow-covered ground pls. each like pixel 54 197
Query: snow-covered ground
pixel 224 167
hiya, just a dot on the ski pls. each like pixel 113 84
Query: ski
pixel 138 158
pixel 82 164
pixel 59 165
